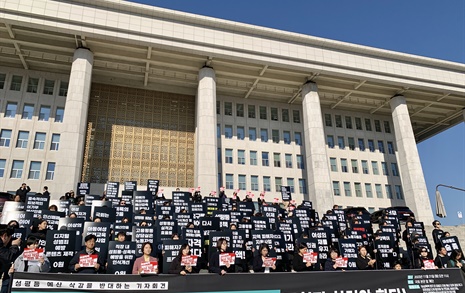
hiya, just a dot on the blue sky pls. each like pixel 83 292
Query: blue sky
pixel 427 28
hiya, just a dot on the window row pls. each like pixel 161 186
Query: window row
pixel 28 111
pixel 265 159
pixel 357 189
pixel 22 140
pixel 242 183
pixel 33 85
pixel 17 169
pixel 354 167
pixel 341 143
pixel 263 112
pixel 264 134
pixel 359 124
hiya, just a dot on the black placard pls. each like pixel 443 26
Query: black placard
pixel 213 204
pixel 286 193
pixel 450 243
pixel 101 231
pixel 322 235
pixel 112 189
pixel 163 211
pixel 180 201
pixel 83 188
pixel 195 239
pixel 152 186
pixel 36 202
pixel 11 206
pixel 83 212
pixel 123 211
pixel 120 258
pixel 89 198
pixel 73 224
pixel 225 218
pixel 260 223
pixel 52 218
pixel 130 185
pixel 24 218
pixel 60 248
pixel 165 230
pixel 348 248
pixel 141 235
pixel 106 214
pixel 143 200
pixel 170 251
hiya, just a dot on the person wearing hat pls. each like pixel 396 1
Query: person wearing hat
pixel 89 249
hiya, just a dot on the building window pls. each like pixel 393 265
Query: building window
pixel 278 182
pixel 379 191
pixel 17 169
pixel 399 193
pixel 241 157
pixel 34 170
pixel 347 189
pixel 2 167
pixel 388 191
pixel 54 145
pixel 368 124
pixel 228 156
pixel 254 182
pixel 333 163
pixel 358 189
pixel 285 115
pixel 328 120
pixel 274 114
pixel 28 111
pixel 374 167
pixel 384 168
pixel 344 166
pixel 240 132
pixel 378 126
pixel 263 114
pixel 228 108
pixel 39 141
pixel 264 135
pixel 368 190
pixel 298 138
pixel 302 186
pixel 275 135
pixel 16 82
pixel 296 116
pixel 253 158
pixel 218 153
pixel 336 188
pixel 63 89
pixel 266 183
pixel 381 146
pixel 23 137
pixel 290 183
pixel 32 85
pixel 394 169
pixel 5 138
pixel 251 111
pixel 371 145
pixel 218 131
pixel 48 87
pixel 351 141
pixel 228 131
pixel 348 122
pixel 44 113
pixel 365 167
pixel 287 137
pixel 240 111
pixel 229 181
pixel 358 123
pixel 288 159
pixel 300 162
pixel 361 144
pixel 330 141
pixel 51 171
pixel 218 107
pixel 387 127
pixel 252 134
pixel 2 80
pixel 338 121
pixel 390 147
pixel 265 159
pixel 11 110
pixel 59 113
pixel 354 164
pixel 277 160
pixel 242 184
pixel 340 142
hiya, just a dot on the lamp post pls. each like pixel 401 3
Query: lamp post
pixel 440 208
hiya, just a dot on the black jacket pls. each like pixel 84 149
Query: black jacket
pixel 75 260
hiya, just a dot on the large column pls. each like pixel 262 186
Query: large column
pixel 206 164
pixel 413 180
pixel 318 174
pixel 72 139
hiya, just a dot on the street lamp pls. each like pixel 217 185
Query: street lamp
pixel 440 208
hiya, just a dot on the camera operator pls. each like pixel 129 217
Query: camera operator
pixel 9 251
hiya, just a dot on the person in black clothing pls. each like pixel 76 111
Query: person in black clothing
pixel 89 249
pixel 9 251
pixel 177 268
pixel 259 259
pixel 22 191
pixel 46 193
pixel 298 263
pixel 214 263
pixel 330 264
pixel 437 234
pixel 442 258
pixel 419 262
pixel 364 261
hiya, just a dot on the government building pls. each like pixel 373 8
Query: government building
pixel 97 91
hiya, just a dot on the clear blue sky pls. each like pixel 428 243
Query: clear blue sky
pixel 427 28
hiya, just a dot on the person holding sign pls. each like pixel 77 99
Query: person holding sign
pixel 221 262
pixel 364 261
pixel 456 260
pixel 302 259
pixel 424 261
pixel 146 264
pixel 334 263
pixel 87 261
pixel 32 260
pixel 262 262
pixel 184 263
